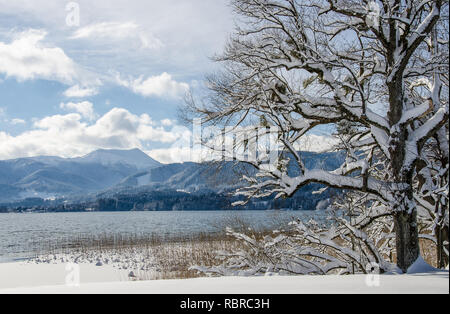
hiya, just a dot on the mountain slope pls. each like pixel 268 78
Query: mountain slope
pixel 47 176
pixel 193 177
pixel 134 157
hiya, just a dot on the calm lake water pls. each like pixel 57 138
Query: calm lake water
pixel 21 235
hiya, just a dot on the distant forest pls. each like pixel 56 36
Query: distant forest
pixel 170 201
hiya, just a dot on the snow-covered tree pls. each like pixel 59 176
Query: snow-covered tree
pixel 300 64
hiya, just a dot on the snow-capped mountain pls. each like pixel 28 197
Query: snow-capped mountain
pixel 134 157
pixel 188 176
pixel 215 177
pixel 49 177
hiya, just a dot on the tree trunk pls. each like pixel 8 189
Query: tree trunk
pixel 407 239
pixel 405 211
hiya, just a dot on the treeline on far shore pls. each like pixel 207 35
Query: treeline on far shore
pixel 166 201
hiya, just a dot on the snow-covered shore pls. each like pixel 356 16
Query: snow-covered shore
pixel 25 274
pixel 51 278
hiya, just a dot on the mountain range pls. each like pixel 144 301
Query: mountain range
pixel 105 174
pixel 52 177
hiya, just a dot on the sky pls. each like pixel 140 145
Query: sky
pixel 78 76
pixel 84 75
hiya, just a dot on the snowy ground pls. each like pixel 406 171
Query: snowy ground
pixel 51 278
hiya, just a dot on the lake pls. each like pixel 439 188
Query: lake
pixel 21 235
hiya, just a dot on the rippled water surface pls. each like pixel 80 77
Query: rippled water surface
pixel 22 234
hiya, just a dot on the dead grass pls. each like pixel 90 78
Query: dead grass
pixel 168 257
pixel 171 257
pixel 175 259
pixel 428 251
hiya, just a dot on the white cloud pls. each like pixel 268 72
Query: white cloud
pixel 167 122
pixel 85 108
pixel 172 155
pixel 80 92
pixel 27 58
pixel 316 143
pixel 59 122
pixel 119 31
pixel 17 121
pixel 161 86
pixel 70 136
pixel 113 30
pixel 150 41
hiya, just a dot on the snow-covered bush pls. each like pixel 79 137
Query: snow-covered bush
pixel 355 238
